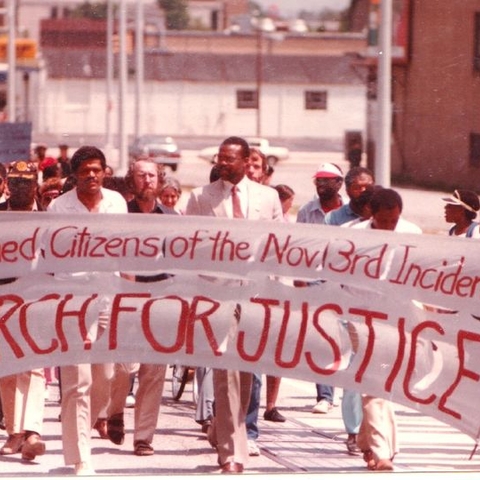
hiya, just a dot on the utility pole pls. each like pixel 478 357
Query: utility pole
pixel 139 66
pixel 122 91
pixel 259 68
pixel 12 62
pixel 384 134
pixel 109 79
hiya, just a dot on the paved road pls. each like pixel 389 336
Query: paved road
pixel 305 444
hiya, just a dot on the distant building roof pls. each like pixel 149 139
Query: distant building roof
pixel 211 67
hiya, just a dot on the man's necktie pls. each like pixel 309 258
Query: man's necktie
pixel 237 209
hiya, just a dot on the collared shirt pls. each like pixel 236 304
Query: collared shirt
pixel 68 202
pixel 341 215
pixel 111 202
pixel 242 192
pixel 312 212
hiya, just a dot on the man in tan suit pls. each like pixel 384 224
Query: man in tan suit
pixel 233 196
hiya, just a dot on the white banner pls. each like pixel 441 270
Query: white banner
pixel 364 328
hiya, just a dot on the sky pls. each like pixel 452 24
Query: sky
pixel 290 7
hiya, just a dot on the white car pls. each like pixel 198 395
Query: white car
pixel 273 154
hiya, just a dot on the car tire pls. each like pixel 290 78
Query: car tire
pixel 272 160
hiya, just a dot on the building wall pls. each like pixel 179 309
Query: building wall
pixel 437 97
pixel 183 108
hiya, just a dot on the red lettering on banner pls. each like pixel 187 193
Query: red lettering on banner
pixel 369 264
pixel 24 327
pixel 369 316
pixel 179 246
pixel 195 315
pixel 71 242
pixel 267 319
pixel 62 313
pixel 335 348
pixel 118 308
pixel 225 249
pixel 17 302
pixel 293 256
pixel 181 329
pixel 11 251
pixel 283 337
pixel 463 336
pixel 412 360
pixel 53 239
pixel 402 341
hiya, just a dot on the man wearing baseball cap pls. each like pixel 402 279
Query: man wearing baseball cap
pixel 22 183
pixel 23 394
pixel 328 180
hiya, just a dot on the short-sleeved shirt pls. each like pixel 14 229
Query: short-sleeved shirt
pixel 341 215
pixel 111 202
pixel 68 202
pixel 312 212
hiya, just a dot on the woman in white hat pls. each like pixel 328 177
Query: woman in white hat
pixel 461 209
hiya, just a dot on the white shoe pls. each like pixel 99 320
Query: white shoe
pixel 83 468
pixel 130 401
pixel 323 406
pixel 253 450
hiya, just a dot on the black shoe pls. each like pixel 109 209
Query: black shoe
pixel 352 447
pixel 116 429
pixel 273 415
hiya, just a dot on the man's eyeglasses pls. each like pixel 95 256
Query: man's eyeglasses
pixel 222 159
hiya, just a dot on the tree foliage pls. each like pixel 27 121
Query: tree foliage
pixel 176 13
pixel 91 10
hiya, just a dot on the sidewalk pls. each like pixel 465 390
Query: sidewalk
pixel 306 444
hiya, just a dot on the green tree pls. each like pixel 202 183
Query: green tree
pixel 176 13
pixel 93 11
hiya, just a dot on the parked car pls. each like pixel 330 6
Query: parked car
pixel 163 149
pixel 273 154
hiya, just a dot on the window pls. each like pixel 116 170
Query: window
pixel 315 100
pixel 475 149
pixel 247 99
pixel 476 50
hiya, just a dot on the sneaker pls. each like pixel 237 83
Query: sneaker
pixel 253 450
pixel 352 447
pixel 323 406
pixel 130 401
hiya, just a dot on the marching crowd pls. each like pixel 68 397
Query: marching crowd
pixel 93 396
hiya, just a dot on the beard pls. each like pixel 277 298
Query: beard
pixel 146 194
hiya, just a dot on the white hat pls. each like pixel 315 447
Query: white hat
pixel 328 170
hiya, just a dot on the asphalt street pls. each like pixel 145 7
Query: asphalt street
pixel 306 446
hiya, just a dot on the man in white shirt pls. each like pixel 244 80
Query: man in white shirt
pixel 85 387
